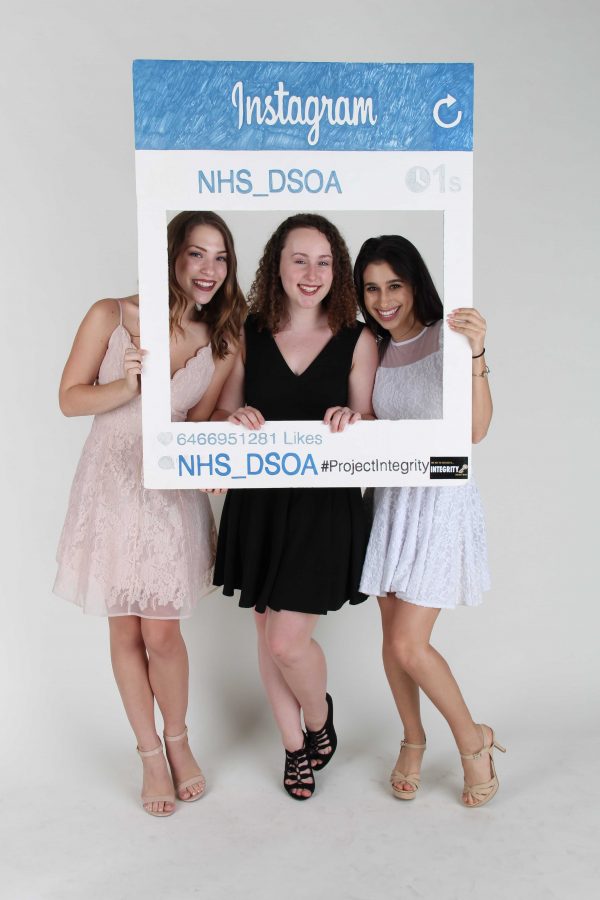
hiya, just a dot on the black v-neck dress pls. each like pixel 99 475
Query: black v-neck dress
pixel 300 549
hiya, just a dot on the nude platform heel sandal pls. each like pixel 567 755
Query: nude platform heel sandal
pixel 483 793
pixel 414 780
pixel 196 779
pixel 162 798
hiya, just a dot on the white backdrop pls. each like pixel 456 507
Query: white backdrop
pixel 527 660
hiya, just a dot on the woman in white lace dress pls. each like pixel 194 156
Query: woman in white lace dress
pixel 144 557
pixel 427 549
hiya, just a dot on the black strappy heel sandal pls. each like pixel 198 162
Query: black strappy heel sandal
pixel 299 771
pixel 318 741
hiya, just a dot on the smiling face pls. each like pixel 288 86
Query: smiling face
pixel 201 265
pixel 306 267
pixel 390 300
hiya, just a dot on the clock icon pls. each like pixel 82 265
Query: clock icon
pixel 417 179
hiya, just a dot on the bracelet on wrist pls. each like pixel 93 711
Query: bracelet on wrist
pixel 479 354
pixel 483 374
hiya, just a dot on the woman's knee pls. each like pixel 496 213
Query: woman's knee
pixel 161 638
pixel 409 654
pixel 286 649
pixel 125 633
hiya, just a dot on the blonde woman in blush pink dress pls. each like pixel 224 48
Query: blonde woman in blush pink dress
pixel 144 557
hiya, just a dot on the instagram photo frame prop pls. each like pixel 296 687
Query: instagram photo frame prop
pixel 257 142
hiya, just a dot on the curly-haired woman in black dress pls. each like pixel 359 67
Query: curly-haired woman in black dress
pixel 297 553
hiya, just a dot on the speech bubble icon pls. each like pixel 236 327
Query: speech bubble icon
pixel 165 437
pixel 166 462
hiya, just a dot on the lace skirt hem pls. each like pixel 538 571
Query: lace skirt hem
pixel 92 601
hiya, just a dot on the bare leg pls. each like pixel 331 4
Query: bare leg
pixel 285 706
pixel 407 631
pixel 168 672
pixel 294 673
pixel 406 696
pixel 301 661
pixel 130 666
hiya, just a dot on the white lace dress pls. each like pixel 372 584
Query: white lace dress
pixel 125 550
pixel 427 544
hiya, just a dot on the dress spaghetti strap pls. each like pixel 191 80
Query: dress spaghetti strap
pixel 120 313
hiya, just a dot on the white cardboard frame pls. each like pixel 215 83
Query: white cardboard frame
pixel 193 455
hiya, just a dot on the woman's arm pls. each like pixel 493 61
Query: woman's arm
pixel 360 386
pixel 204 409
pixel 362 375
pixel 230 405
pixel 78 394
pixel 472 324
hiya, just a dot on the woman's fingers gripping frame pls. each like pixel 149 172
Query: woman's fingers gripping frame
pixel 337 417
pixel 248 417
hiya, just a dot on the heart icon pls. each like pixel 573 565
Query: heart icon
pixel 165 437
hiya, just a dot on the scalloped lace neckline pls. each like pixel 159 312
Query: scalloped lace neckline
pixel 181 368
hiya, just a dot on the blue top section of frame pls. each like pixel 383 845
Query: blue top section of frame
pixel 201 105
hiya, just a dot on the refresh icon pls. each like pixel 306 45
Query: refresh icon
pixel 447 101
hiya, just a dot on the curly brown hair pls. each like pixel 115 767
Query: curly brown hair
pixel 225 313
pixel 267 298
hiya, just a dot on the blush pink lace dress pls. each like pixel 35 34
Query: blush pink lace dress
pixel 125 550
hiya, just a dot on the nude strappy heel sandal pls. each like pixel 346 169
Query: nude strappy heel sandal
pixel 196 779
pixel 413 780
pixel 483 793
pixel 159 798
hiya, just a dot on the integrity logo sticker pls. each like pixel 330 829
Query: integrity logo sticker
pixel 448 467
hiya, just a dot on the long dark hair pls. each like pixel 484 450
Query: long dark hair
pixel 267 298
pixel 225 313
pixel 408 264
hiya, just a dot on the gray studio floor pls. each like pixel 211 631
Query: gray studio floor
pixel 77 833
